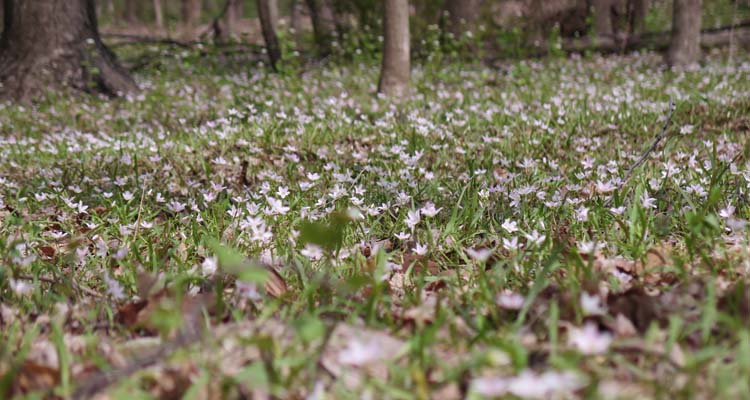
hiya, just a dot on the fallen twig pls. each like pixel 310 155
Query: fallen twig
pixel 192 331
pixel 103 379
pixel 131 39
pixel 622 347
pixel 142 62
pixel 76 286
pixel 651 148
pixel 648 151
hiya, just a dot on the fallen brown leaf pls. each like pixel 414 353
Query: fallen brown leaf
pixel 736 302
pixel 33 376
pixel 352 353
pixel 623 327
pixel 275 285
pixel 48 251
pixel 139 314
pixel 424 312
pixel 146 284
pixel 421 264
pixel 369 249
pixel 128 314
pixel 171 382
pixel 635 305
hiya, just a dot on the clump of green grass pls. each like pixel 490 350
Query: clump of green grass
pixel 232 230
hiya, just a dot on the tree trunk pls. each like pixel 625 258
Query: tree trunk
pixel 322 16
pixel 603 20
pixel 638 11
pixel 191 13
pixel 462 14
pixel 269 31
pixel 158 14
pixel 686 29
pixel 48 44
pixel 396 69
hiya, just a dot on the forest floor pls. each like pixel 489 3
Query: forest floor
pixel 230 233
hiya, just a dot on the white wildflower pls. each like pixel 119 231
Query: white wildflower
pixel 480 255
pixel 590 247
pixel 209 266
pixel 114 288
pixel 412 219
pixel 312 251
pixel 647 201
pixel 20 287
pixel 582 214
pixel 727 212
pixel 429 210
pixel 511 244
pixel 535 237
pixel 591 304
pixel 588 340
pixel 277 207
pixel 402 236
pixel 420 249
pixel 510 226
pixel 617 210
pixel 509 300
pixel 358 352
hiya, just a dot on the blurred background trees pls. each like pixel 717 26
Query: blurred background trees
pixel 502 28
pixel 290 32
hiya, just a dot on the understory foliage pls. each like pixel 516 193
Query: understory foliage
pixel 231 232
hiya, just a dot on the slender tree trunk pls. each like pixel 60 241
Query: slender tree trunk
pixel 638 10
pixel 191 14
pixel 110 8
pixel 686 30
pixel 327 17
pixel 48 44
pixel 322 16
pixel 225 26
pixel 295 20
pixel 158 14
pixel 269 32
pixel 131 11
pixel 396 69
pixel 239 9
pixel 273 13
pixel 462 14
pixel 603 20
